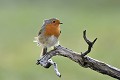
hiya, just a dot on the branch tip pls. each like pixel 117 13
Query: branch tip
pixel 94 40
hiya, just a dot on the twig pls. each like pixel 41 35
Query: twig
pixel 90 44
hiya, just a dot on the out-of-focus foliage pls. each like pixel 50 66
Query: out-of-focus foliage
pixel 20 21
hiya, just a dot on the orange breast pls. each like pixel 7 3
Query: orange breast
pixel 52 30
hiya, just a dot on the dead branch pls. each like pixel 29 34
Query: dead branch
pixel 81 59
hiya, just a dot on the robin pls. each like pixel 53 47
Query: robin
pixel 49 34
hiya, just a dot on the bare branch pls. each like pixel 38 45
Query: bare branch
pixel 81 59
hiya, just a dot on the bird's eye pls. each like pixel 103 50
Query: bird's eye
pixel 53 21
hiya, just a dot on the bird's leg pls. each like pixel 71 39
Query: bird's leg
pixel 44 51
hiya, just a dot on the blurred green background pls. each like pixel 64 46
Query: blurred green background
pixel 20 21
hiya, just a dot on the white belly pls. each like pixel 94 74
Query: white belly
pixel 51 41
pixel 47 41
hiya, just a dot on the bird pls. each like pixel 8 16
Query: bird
pixel 48 34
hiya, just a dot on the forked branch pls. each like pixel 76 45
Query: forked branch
pixel 90 44
pixel 81 59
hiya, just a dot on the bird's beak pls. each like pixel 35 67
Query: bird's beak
pixel 61 23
